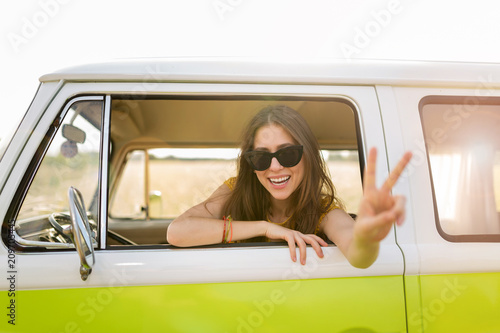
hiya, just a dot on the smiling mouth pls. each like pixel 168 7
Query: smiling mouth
pixel 279 181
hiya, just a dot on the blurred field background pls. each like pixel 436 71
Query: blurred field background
pixel 49 191
pixel 184 183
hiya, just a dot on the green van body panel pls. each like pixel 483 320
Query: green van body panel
pixel 413 303
pixel 364 304
pixel 459 303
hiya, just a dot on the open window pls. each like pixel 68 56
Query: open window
pixel 172 153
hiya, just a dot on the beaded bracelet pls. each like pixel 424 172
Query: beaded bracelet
pixel 230 219
pixel 224 230
pixel 229 231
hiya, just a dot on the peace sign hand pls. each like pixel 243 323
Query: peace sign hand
pixel 379 209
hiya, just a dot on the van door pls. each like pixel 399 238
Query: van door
pixel 451 240
pixel 252 287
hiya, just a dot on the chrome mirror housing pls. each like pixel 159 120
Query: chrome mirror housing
pixel 80 232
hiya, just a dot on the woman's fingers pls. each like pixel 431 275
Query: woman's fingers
pixel 399 208
pixel 370 170
pixel 369 174
pixel 300 240
pixel 320 240
pixel 316 245
pixel 302 250
pixel 291 247
pixel 397 171
pixel 376 227
pixel 297 239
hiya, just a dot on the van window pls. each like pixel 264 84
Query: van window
pixel 173 153
pixel 463 146
pixel 71 159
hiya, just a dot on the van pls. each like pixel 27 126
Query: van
pixel 108 154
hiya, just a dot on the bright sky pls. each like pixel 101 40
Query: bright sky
pixel 40 36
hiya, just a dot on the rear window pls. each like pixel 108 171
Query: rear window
pixel 463 146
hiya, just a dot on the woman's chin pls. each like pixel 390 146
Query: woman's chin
pixel 280 195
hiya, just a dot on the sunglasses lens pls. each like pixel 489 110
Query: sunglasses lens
pixel 289 157
pixel 260 161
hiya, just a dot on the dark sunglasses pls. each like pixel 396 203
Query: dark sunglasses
pixel 261 160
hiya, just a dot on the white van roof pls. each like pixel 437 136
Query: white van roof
pixel 315 71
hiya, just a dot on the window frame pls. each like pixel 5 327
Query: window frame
pixel 218 97
pixel 21 245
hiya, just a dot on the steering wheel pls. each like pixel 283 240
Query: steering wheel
pixel 62 221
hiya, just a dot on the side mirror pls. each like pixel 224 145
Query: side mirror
pixel 82 235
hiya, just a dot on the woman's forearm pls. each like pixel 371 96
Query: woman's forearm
pixel 195 231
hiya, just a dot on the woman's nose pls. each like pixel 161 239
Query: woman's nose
pixel 275 165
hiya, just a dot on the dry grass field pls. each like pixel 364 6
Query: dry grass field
pixel 49 191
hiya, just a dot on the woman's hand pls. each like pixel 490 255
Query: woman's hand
pixel 379 209
pixel 295 238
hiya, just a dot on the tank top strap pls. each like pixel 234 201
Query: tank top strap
pixel 230 183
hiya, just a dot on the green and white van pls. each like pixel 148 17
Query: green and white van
pixel 109 154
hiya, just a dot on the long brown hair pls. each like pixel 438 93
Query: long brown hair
pixel 250 201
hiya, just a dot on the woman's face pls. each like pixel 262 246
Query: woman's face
pixel 280 181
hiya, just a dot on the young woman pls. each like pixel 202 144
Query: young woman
pixel 283 192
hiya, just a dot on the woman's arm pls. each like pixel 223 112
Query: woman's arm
pixel 338 226
pixel 360 241
pixel 203 225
